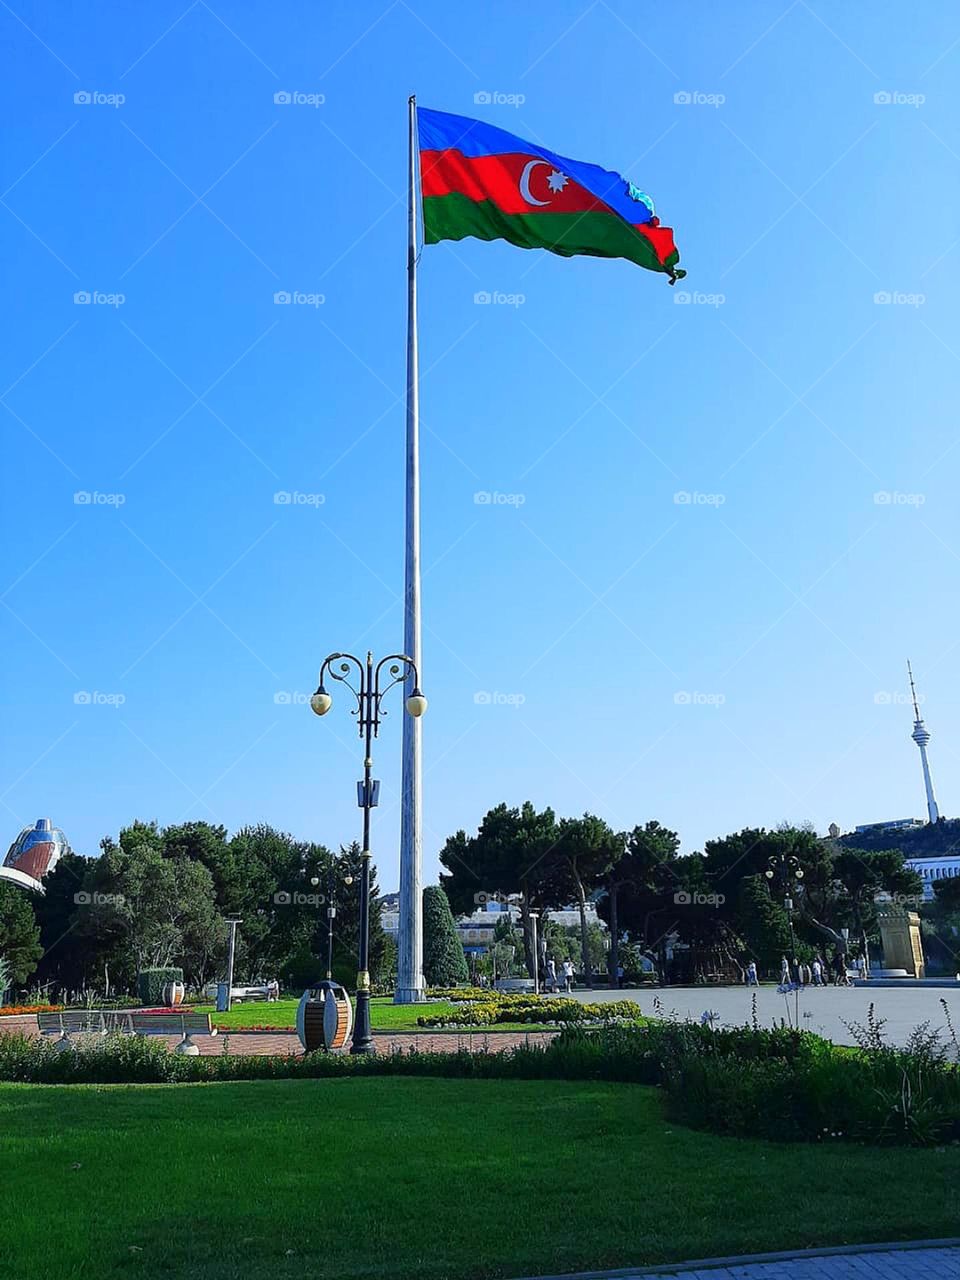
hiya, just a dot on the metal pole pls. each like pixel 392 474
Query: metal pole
pixel 536 955
pixel 410 984
pixel 231 953
pixel 362 1041
pixel 331 916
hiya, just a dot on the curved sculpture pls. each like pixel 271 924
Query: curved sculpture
pixel 33 855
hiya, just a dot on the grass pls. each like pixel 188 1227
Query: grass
pixel 384 1014
pixel 436 1179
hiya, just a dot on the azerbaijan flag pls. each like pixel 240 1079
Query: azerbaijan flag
pixel 477 180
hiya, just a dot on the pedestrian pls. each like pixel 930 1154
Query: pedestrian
pixel 862 967
pixel 621 974
pixel 551 974
pixel 817 969
pixel 784 971
pixel 752 980
pixel 568 975
pixel 840 961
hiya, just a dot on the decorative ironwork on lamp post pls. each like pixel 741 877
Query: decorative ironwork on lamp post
pixel 786 869
pixel 369 695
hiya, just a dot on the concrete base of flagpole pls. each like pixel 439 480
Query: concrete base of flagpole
pixel 409 995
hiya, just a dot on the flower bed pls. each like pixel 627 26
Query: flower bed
pixel 13 1010
pixel 492 1007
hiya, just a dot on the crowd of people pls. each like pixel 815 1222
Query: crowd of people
pixel 817 973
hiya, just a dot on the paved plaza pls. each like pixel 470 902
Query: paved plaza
pixel 823 1010
pixel 940 1262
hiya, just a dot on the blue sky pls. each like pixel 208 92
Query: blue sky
pixel 736 658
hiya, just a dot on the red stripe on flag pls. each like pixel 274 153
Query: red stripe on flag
pixel 500 179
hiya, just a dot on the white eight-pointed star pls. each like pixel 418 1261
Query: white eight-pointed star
pixel 557 181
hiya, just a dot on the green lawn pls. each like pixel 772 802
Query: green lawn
pixel 384 1014
pixel 435 1179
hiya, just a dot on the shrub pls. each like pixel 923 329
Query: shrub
pixel 444 963
pixel 150 983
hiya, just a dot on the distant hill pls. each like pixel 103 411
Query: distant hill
pixel 930 841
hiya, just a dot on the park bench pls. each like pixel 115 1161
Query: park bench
pixel 102 1021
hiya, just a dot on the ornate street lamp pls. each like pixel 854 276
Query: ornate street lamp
pixel 368 694
pixel 331 911
pixel 785 868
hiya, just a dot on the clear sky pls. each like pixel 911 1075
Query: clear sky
pixel 738 658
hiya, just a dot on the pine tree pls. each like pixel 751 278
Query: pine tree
pixel 444 964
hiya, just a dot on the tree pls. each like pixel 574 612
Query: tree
pixel 68 960
pixel 646 852
pixel 509 857
pixel 863 875
pixel 586 848
pixel 444 964
pixel 155 911
pixel 19 933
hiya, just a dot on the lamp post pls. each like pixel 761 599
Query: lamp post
pixel 368 694
pixel 331 912
pixel 786 868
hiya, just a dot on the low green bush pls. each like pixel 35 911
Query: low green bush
pixel 490 1007
pixel 150 983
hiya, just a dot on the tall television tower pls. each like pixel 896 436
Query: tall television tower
pixel 921 737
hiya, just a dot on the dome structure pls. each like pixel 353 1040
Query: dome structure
pixel 33 855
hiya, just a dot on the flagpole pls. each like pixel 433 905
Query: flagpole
pixel 410 984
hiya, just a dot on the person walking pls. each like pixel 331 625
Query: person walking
pixel 621 974
pixel 784 971
pixel 568 975
pixel 817 968
pixel 752 980
pixel 551 974
pixel 862 967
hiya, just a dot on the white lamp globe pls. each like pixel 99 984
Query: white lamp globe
pixel 416 704
pixel 321 702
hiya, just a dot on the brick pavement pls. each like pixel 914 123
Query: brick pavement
pixel 259 1043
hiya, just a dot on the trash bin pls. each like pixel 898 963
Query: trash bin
pixel 223 997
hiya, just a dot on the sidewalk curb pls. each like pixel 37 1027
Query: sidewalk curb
pixel 745 1259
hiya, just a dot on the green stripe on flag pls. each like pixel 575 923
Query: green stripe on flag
pixel 598 235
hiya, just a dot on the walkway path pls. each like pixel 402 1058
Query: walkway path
pixel 285 1042
pixel 828 1007
pixel 885 1262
